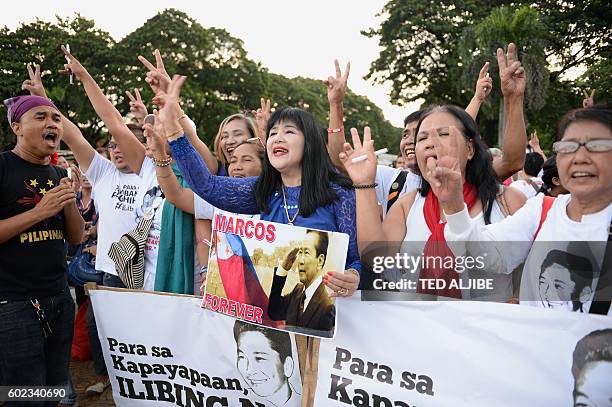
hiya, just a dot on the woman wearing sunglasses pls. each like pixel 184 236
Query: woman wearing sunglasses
pixel 577 223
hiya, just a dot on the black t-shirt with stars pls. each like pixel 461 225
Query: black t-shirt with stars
pixel 33 262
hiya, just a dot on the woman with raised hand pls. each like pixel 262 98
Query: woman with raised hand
pixel 417 219
pixel 297 186
pixel 245 162
pixel 560 272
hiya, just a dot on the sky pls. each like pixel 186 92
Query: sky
pixel 292 38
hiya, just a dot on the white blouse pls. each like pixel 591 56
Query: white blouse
pixel 417 234
pixel 558 231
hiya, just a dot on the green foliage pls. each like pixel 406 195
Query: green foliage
pixel 434 50
pixel 222 80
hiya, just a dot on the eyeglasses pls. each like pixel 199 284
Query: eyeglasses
pixel 592 146
pixel 112 146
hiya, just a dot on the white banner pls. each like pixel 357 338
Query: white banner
pixel 166 350
pixel 464 354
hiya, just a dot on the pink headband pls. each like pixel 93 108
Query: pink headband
pixel 19 105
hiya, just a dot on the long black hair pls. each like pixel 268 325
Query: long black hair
pixel 317 171
pixel 479 169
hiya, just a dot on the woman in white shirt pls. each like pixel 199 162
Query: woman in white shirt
pixel 584 162
pixel 417 218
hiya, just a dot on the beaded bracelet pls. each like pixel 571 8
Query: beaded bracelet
pixel 164 162
pixel 332 131
pixel 160 164
pixel 365 186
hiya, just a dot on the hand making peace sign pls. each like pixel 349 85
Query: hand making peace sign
pixel 137 107
pixel 34 85
pixel 511 72
pixel 336 87
pixel 73 66
pixel 157 77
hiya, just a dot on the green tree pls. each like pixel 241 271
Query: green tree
pixel 433 51
pixel 222 79
pixel 39 43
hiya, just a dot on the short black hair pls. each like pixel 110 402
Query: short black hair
pixel 580 270
pixel 533 164
pixel 414 117
pixel 549 171
pixel 280 341
pixel 322 242
pixel 596 113
pixel 593 347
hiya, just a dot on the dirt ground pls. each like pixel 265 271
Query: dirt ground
pixel 83 375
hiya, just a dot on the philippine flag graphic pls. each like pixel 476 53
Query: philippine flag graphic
pixel 238 275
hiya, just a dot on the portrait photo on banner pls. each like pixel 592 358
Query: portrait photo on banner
pixel 271 274
pixel 562 275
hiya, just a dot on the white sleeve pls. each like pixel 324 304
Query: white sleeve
pixel 202 209
pixel 464 235
pixel 413 182
pixel 98 168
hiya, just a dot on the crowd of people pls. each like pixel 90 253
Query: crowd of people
pixel 156 182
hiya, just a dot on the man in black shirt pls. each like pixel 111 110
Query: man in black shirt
pixel 37 212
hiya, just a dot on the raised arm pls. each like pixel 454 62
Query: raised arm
pixel 230 194
pixel 82 150
pixel 336 88
pixel 512 79
pixel 370 228
pixel 262 115
pixel 180 197
pixel 159 80
pixel 133 150
pixel 534 142
pixel 484 84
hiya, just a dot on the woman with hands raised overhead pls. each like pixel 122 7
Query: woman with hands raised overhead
pixel 298 184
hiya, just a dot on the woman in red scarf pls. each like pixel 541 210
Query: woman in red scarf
pixel 445 133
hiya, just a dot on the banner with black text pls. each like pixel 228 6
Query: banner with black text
pixel 166 350
pixel 472 354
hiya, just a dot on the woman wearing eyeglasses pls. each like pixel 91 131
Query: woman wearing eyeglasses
pixel 584 162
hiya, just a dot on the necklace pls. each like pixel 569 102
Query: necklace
pixel 286 211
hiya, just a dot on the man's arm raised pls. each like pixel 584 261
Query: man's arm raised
pixel 133 150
